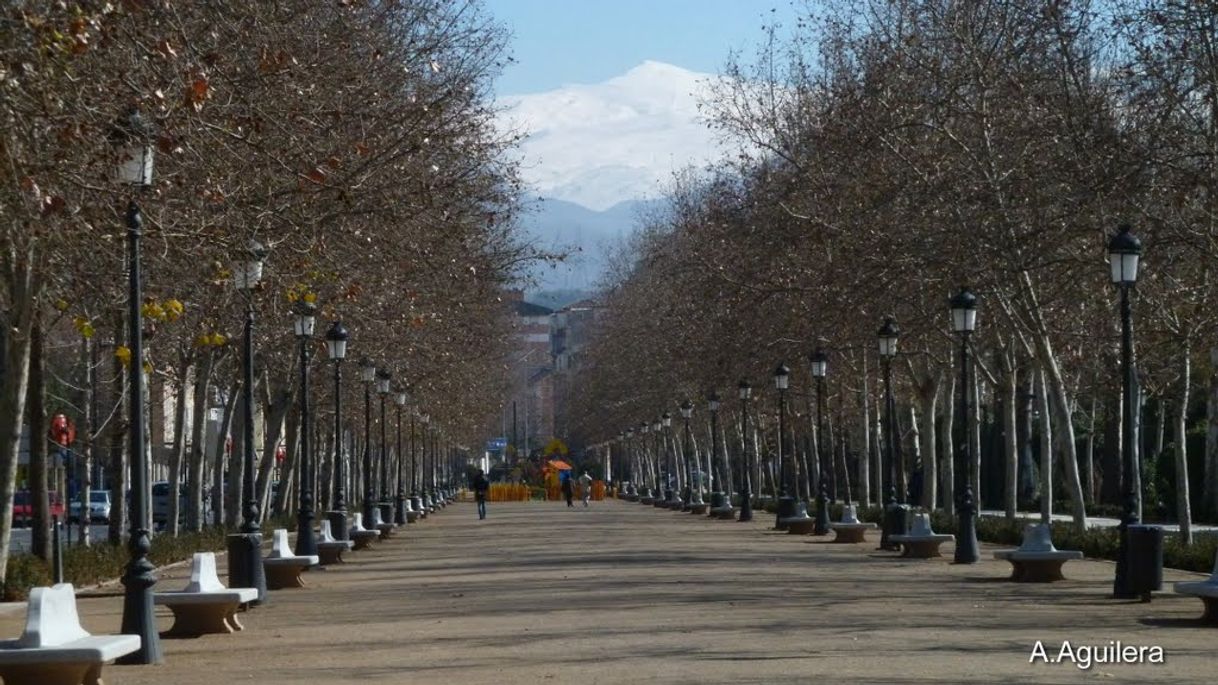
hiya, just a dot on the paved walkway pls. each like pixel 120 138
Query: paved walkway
pixel 622 593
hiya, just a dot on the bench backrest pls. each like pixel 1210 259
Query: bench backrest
pixel 203 576
pixel 921 525
pixel 357 521
pixel 849 514
pixel 280 546
pixel 326 533
pixel 1037 537
pixel 51 617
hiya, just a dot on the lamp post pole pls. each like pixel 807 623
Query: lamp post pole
pixel 786 502
pixel 819 368
pixel 306 542
pixel 1124 252
pixel 888 336
pixel 721 503
pixel 746 465
pixel 132 138
pixel 383 379
pixel 416 500
pixel 336 344
pixel 368 375
pixel 671 495
pixel 964 321
pixel 401 504
pixel 245 547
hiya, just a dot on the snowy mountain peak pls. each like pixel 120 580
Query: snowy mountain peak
pixel 601 144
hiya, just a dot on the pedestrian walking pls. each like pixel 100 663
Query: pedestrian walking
pixel 568 487
pixel 586 481
pixel 481 485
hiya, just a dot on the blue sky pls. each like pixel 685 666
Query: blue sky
pixel 586 41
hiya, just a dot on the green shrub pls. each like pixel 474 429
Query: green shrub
pixel 24 572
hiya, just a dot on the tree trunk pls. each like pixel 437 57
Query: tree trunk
pixel 287 477
pixel 1184 513
pixel 864 424
pixel 219 498
pixel 198 439
pixel 1209 501
pixel 17 318
pixel 177 451
pixel 947 445
pixel 1065 429
pixel 236 470
pixel 88 438
pixel 36 414
pixel 274 409
pixel 928 396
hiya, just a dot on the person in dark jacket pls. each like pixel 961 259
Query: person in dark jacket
pixel 481 485
pixel 568 487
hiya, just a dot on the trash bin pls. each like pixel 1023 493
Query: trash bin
pixel 1145 560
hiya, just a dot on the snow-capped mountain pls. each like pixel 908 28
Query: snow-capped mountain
pixel 601 144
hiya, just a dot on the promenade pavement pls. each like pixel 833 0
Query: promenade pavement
pixel 623 593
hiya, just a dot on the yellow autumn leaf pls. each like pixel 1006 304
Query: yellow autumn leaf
pixel 123 353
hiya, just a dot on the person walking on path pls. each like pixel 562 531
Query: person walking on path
pixel 568 487
pixel 481 485
pixel 586 481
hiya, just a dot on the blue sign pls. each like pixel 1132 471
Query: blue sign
pixel 495 444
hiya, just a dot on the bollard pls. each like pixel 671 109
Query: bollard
pixel 56 551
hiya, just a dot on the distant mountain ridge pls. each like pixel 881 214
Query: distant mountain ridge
pixel 586 234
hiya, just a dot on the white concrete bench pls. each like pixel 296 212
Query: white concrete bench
pixel 204 606
pixel 380 524
pixel 329 550
pixel 54 649
pixel 361 536
pixel 850 528
pixel 412 514
pixel 282 566
pixel 1037 560
pixel 921 542
pixel 1206 591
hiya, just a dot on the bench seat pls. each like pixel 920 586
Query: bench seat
pixel 282 566
pixel 1037 560
pixel 54 649
pixel 921 542
pixel 1206 591
pixel 204 606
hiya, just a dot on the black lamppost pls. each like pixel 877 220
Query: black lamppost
pixel 786 501
pixel 661 499
pixel 336 345
pixel 1124 252
pixel 306 542
pixel 428 502
pixel 402 505
pixel 383 386
pixel 746 465
pixel 245 547
pixel 887 337
pixel 720 502
pixel 964 322
pixel 632 471
pixel 416 499
pixel 132 139
pixel 367 374
pixel 820 367
pixel 695 479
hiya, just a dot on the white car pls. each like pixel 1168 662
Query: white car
pixel 99 507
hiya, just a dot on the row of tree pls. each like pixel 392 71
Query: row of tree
pixel 892 151
pixel 354 140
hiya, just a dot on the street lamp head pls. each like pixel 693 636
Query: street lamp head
pixel 782 376
pixel 712 402
pixel 425 418
pixel 629 433
pixel 746 390
pixel 306 319
pixel 888 335
pixel 132 136
pixel 820 363
pixel 644 428
pixel 401 398
pixel 247 271
pixel 1124 251
pixel 687 409
pixel 336 341
pixel 666 419
pixel 367 370
pixel 383 381
pixel 964 311
pixel 655 427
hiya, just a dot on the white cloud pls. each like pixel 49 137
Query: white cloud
pixel 601 144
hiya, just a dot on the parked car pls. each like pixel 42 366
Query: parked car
pixel 160 502
pixel 99 507
pixel 23 509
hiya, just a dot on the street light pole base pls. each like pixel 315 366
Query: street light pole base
pixel 338 524
pixel 245 564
